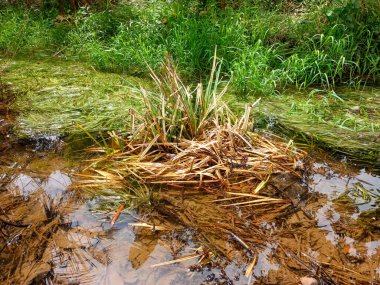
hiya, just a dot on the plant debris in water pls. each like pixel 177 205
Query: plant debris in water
pixel 34 237
pixel 216 177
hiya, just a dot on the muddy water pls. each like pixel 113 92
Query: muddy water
pixel 53 235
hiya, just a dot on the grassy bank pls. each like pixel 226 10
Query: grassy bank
pixel 264 47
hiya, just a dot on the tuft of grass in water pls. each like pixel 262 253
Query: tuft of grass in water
pixel 190 140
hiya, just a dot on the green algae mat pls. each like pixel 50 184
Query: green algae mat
pixel 345 121
pixel 62 97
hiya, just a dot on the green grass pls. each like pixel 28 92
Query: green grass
pixel 312 43
pixel 29 32
pixel 179 112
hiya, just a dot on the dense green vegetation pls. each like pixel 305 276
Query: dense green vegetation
pixel 264 46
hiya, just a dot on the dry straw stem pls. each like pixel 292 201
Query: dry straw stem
pixel 204 255
pixel 152 227
pixel 187 257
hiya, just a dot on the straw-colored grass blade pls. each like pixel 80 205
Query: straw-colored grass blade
pixel 251 267
pixel 187 257
pixel 261 185
pixel 145 225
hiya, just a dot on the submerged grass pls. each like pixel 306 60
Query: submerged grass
pixel 63 97
pixel 57 96
pixel 347 122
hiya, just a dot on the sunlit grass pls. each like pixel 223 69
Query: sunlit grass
pixel 346 121
pixel 263 49
pixel 57 96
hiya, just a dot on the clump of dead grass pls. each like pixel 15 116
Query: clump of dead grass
pixel 190 138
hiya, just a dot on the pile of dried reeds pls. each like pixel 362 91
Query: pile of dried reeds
pixel 191 139
pixel 221 157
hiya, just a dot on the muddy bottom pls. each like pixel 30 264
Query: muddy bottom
pixel 51 234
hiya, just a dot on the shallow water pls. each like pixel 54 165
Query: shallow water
pixel 344 121
pixel 91 251
pixel 51 233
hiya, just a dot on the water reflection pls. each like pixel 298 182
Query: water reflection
pixel 54 185
pixel 131 252
pixel 325 217
pixel 349 195
pixel 264 263
pixel 85 249
pixel 332 184
pixel 373 248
